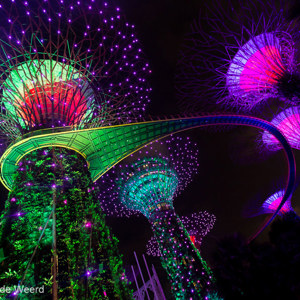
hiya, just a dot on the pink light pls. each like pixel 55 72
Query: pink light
pixel 59 99
pixel 272 203
pixel 260 71
pixel 288 122
pixel 88 224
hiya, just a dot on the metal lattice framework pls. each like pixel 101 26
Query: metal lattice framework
pixel 97 145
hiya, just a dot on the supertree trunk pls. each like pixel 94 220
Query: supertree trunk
pixel 190 277
pixel 77 251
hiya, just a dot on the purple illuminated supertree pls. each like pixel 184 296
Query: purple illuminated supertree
pixel 288 122
pixel 148 185
pixel 65 65
pixel 197 225
pixel 270 205
pixel 239 58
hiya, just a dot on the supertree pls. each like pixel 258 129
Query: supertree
pixel 288 122
pixel 272 203
pixel 197 225
pixel 65 65
pixel 148 185
pixel 241 56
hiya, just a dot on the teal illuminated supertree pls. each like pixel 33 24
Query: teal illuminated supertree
pixel 148 186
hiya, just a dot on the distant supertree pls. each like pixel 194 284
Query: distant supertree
pixel 270 205
pixel 65 65
pixel 148 185
pixel 240 56
pixel 288 122
pixel 197 225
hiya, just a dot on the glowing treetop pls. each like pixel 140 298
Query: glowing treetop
pixel 243 61
pixel 66 63
pixel 288 122
pixel 272 203
pixel 151 182
pixel 259 68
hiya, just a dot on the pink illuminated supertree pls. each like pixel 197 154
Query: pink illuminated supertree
pixel 240 58
pixel 270 205
pixel 288 122
pixel 197 225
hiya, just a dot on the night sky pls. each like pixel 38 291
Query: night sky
pixel 231 174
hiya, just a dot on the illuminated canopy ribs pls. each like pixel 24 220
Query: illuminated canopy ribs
pixel 40 93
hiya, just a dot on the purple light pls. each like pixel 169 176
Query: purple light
pixel 88 273
pixel 288 122
pixel 88 225
pixel 252 60
pixel 272 203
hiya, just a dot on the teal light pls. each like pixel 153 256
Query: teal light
pixel 150 186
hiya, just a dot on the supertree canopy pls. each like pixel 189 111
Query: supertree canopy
pixel 272 203
pixel 243 58
pixel 197 225
pixel 262 68
pixel 288 122
pixel 148 185
pixel 70 63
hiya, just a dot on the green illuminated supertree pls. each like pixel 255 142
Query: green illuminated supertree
pixel 148 186
pixel 64 66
